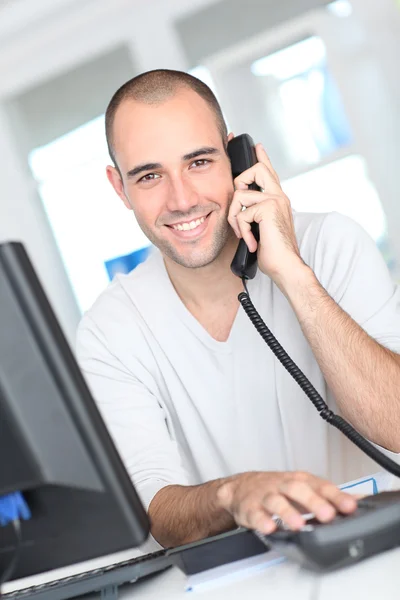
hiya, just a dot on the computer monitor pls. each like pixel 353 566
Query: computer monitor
pixel 54 445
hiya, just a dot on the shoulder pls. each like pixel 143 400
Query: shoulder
pixel 323 236
pixel 343 256
pixel 314 228
pixel 336 247
pixel 116 310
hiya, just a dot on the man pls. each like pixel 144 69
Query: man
pixel 211 427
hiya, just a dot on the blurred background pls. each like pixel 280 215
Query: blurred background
pixel 317 82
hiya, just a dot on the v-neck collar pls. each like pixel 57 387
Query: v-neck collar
pixel 189 320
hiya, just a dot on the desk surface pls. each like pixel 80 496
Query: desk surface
pixel 371 579
pixel 374 578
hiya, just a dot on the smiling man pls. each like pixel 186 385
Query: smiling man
pixel 211 428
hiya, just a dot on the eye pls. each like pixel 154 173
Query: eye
pixel 148 177
pixel 201 162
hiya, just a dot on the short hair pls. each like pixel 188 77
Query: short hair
pixel 154 87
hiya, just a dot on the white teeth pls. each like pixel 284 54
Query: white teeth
pixel 187 226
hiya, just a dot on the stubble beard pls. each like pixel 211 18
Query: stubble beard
pixel 197 255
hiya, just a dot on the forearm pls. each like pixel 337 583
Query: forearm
pixel 363 376
pixel 181 514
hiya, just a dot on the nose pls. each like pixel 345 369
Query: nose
pixel 182 196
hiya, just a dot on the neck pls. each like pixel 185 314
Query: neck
pixel 214 283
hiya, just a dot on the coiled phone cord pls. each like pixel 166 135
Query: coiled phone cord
pixel 352 434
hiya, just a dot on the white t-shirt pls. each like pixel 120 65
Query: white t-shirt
pixel 184 408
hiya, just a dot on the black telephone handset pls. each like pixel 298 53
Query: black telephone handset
pixel 242 154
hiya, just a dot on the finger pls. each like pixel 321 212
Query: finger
pixel 251 513
pixel 262 521
pixel 232 220
pixel 344 502
pixel 259 174
pixel 302 493
pixel 245 198
pixel 244 221
pixel 277 504
pixel 242 199
pixel 247 513
pixel 264 158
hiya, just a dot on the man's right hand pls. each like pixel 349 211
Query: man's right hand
pixel 253 498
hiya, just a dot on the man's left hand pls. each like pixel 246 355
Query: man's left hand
pixel 278 252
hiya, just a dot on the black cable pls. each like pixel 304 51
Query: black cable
pixel 352 434
pixel 6 575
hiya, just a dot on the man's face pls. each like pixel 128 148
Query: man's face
pixel 176 176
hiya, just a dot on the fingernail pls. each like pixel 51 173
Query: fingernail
pixel 325 513
pixel 348 504
pixel 295 522
pixel 268 527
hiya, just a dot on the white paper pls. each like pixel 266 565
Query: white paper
pixel 370 484
pixel 234 571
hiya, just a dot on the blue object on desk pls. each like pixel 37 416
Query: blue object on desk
pixel 127 262
pixel 360 482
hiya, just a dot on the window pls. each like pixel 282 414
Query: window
pixel 307 110
pixel 90 224
pixel 342 186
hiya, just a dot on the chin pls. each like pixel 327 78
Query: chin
pixel 194 260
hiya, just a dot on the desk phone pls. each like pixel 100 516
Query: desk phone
pixel 373 528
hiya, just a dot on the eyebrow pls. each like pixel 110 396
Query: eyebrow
pixel 201 152
pixel 206 150
pixel 145 167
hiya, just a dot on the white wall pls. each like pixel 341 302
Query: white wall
pixel 23 219
pixel 43 38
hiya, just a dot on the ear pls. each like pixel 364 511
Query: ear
pixel 230 136
pixel 115 179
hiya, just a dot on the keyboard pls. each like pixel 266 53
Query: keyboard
pixel 190 558
pixel 106 579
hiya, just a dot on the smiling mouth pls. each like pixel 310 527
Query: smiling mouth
pixel 188 225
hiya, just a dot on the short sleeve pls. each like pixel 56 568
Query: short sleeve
pixel 351 268
pixel 133 415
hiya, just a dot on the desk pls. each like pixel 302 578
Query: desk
pixel 377 578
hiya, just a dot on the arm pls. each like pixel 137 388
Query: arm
pixel 127 399
pixel 181 514
pixel 363 375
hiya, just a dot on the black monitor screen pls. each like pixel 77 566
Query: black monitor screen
pixel 54 446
